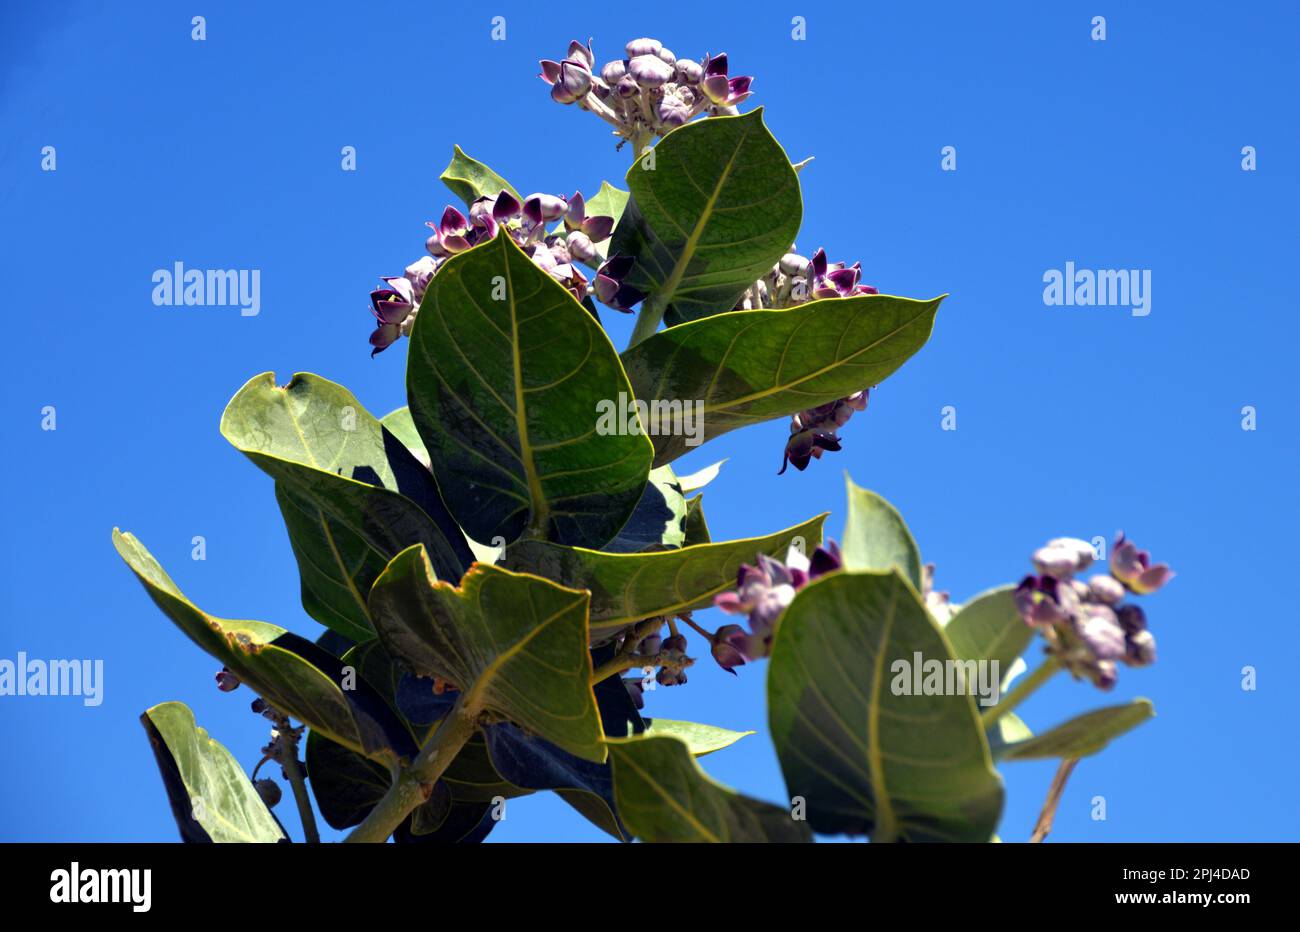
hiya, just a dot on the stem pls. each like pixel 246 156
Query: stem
pixel 1021 692
pixel 1054 792
pixel 647 321
pixel 616 666
pixel 698 630
pixel 289 761
pixel 415 783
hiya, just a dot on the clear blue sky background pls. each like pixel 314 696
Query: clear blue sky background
pixel 225 154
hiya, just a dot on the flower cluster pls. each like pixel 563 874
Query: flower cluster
pixel 1088 626
pixel 557 250
pixel 797 279
pixel 813 432
pixel 763 592
pixel 648 93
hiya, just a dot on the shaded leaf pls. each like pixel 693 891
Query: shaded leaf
pixel 317 441
pixel 658 521
pixel 869 758
pixel 697 529
pixel 516 644
pixel 876 537
pixel 748 367
pixel 505 375
pixel 664 796
pixel 1082 736
pixel 211 798
pixel 627 587
pixel 714 206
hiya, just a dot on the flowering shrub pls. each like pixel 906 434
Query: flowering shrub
pixel 503 582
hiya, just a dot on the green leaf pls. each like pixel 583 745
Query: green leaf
pixel 664 796
pixel 700 478
pixel 876 537
pixel 346 785
pixel 505 394
pixel 989 627
pixel 751 366
pixel 211 798
pixel 697 529
pixel 700 739
pixel 515 644
pixel 292 674
pixel 659 519
pixel 609 201
pixel 469 179
pixel 714 206
pixel 627 587
pixel 336 567
pixel 401 425
pixel 317 441
pixel 1082 736
pixel 865 757
pixel 1008 729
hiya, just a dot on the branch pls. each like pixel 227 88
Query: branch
pixel 1048 815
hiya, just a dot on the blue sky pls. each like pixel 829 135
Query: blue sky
pixel 225 153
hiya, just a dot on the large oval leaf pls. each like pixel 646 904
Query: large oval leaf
pixel 627 587
pixel 876 536
pixel 664 796
pixel 294 675
pixel 513 643
pixel 317 441
pixel 212 799
pixel 868 760
pixel 505 375
pixel 714 206
pixel 751 366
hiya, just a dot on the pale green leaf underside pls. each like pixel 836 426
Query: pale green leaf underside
pixel 219 796
pixel 868 760
pixel 701 739
pixel 247 648
pixel 469 179
pixel 752 366
pixel 989 627
pixel 876 537
pixel 317 441
pixel 627 587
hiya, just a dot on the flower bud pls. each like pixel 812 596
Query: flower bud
pixel 582 53
pixel 572 84
pixel 666 56
pixel 793 264
pixel 689 72
pixel 675 642
pixel 650 71
pixel 626 87
pixel 613 72
pixel 269 790
pixel 650 644
pixel 1106 588
pixel 725 647
pixel 643 47
pixel 1098 627
pixel 544 208
pixel 226 681
pixel 581 247
pixel 1141 649
pixel 1132 619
